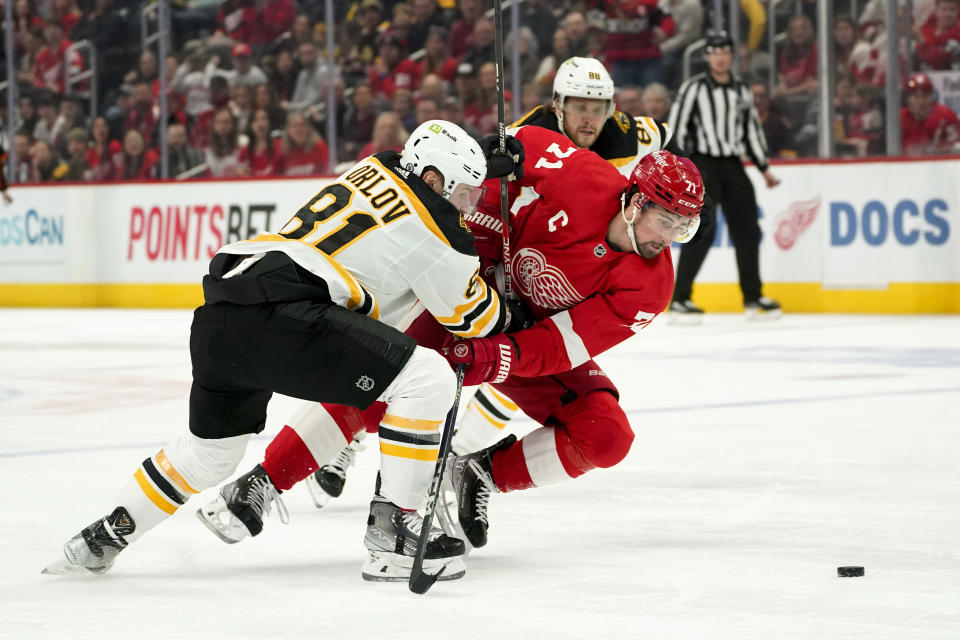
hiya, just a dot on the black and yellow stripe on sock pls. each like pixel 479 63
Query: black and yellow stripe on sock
pixel 410 438
pixel 162 483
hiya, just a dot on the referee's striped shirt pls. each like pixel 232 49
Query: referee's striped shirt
pixel 718 120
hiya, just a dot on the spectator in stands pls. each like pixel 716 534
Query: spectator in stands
pixel 656 102
pixel 78 165
pixel 630 100
pixel 264 98
pixel 531 97
pixel 537 16
pixel 32 43
pixel 926 125
pixel 401 22
pixel 452 111
pixel 309 88
pixel 939 47
pixel 192 80
pixel 467 87
pixel 22 149
pixel 28 113
pixel 371 15
pixel 300 32
pixel 575 24
pixel 236 20
pixel 305 153
pixel 100 25
pixel 776 128
pixel 864 130
pixel 101 151
pixel 143 113
pixel 48 106
pixel 548 66
pixel 283 75
pixel 688 20
pixel 49 70
pixel 481 51
pixel 392 70
pixel 848 49
pixel 401 103
pixel 146 70
pixel 426 17
pixel 43 162
pixel 433 86
pixel 68 13
pixel 798 60
pixel 526 43
pixel 271 19
pixel 388 135
pixel 427 109
pixel 359 120
pixel 634 32
pixel 437 59
pixel 263 154
pixel 25 20
pixel 241 104
pixel 223 153
pixel 182 157
pixel 753 66
pixel 135 161
pixel 244 71
pixel 461 33
pixel 69 117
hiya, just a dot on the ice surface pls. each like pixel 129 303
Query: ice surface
pixel 767 454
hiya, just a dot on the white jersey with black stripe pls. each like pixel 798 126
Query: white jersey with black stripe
pixel 382 240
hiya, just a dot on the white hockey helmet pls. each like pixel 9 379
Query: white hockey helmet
pixel 582 78
pixel 448 149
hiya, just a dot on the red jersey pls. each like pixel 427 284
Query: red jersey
pixel 932 49
pixel 629 29
pixel 309 162
pixel 49 70
pixel 447 71
pixel 406 75
pixel 260 162
pixel 586 296
pixel 937 134
pixel 795 72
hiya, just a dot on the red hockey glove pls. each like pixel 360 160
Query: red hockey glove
pixel 487 359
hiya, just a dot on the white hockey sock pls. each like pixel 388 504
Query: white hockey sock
pixel 484 421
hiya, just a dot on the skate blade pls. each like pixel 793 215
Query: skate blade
pixel 64 566
pixel 210 521
pixel 763 316
pixel 391 567
pixel 317 494
pixel 448 515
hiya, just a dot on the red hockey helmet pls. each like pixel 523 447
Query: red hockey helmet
pixel 919 82
pixel 671 182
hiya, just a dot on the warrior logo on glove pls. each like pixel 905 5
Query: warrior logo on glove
pixel 461 350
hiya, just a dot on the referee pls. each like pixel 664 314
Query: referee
pixel 714 122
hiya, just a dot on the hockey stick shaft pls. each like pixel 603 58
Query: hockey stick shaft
pixel 502 134
pixel 421 581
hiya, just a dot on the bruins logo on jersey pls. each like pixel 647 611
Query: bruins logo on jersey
pixel 622 120
pixel 643 135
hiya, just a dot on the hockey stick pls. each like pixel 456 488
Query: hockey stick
pixel 502 134
pixel 420 581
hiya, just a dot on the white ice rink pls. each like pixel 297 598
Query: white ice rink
pixel 767 454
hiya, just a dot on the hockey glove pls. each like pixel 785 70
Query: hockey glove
pixel 519 316
pixel 509 163
pixel 487 359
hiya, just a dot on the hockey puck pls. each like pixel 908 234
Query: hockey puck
pixel 849 572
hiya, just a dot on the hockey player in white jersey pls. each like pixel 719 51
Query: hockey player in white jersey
pixel 310 312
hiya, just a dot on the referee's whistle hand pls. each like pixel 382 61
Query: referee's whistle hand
pixel 770 179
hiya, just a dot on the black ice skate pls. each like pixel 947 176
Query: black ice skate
pixel 241 505
pixel 327 481
pixel 684 312
pixel 391 541
pixel 762 309
pixel 468 478
pixel 95 548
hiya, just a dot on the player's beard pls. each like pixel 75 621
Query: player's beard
pixel 651 249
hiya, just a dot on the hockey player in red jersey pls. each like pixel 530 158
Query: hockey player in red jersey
pixel 926 125
pixel 591 258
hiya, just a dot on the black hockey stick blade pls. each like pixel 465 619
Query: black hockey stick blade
pixel 421 581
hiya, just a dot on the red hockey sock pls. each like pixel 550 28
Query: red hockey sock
pixel 288 460
pixel 509 469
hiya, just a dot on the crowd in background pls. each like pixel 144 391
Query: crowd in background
pixel 248 79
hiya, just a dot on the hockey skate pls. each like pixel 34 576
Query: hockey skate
pixel 241 505
pixel 466 492
pixel 391 541
pixel 684 312
pixel 762 309
pixel 327 481
pixel 95 548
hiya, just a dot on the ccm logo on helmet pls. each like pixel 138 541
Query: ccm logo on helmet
pixel 687 203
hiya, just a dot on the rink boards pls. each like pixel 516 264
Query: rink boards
pixel 849 237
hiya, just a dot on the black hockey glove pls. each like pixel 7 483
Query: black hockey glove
pixel 519 316
pixel 509 164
